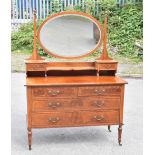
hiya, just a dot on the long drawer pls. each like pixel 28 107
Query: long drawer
pixel 81 118
pixel 99 90
pixel 84 103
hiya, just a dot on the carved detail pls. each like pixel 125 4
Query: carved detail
pixel 76 103
pixel 101 91
pixel 36 67
pixel 39 92
pixel 108 66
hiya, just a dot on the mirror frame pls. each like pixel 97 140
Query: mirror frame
pixel 70 13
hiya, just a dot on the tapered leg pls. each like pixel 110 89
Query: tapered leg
pixel 109 128
pixel 120 134
pixel 29 138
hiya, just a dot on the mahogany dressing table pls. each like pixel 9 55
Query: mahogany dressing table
pixel 72 94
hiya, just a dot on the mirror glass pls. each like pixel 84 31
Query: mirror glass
pixel 69 36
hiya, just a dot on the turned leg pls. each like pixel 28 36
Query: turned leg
pixel 120 134
pixel 109 128
pixel 29 138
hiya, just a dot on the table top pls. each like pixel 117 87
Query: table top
pixel 73 80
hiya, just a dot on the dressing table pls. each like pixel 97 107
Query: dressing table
pixel 72 93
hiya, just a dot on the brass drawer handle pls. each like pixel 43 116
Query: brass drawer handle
pixel 54 92
pixel 53 105
pixel 98 103
pixel 99 92
pixel 98 118
pixel 53 120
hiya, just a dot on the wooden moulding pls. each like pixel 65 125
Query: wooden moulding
pixel 71 66
pixel 70 13
pixel 104 55
pixel 35 56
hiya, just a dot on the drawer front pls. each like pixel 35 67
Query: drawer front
pixel 106 66
pixel 74 118
pixel 36 67
pixel 56 92
pixel 95 103
pixel 102 117
pixel 99 90
pixel 54 119
pixel 56 104
pixel 89 103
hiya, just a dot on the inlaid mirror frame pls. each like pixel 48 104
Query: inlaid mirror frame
pixel 95 21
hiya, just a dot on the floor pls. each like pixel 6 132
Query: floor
pixel 80 140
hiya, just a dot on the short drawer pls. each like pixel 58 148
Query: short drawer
pixel 54 119
pixel 107 66
pixel 101 103
pixel 99 90
pixel 60 92
pixel 101 117
pixel 36 67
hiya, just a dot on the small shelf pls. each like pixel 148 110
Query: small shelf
pixel 69 68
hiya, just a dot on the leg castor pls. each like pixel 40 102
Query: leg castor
pixel 30 147
pixel 29 138
pixel 119 135
pixel 109 128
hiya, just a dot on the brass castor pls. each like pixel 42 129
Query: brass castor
pixel 120 144
pixel 30 147
pixel 109 128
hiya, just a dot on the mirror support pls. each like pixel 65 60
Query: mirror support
pixel 35 55
pixel 104 55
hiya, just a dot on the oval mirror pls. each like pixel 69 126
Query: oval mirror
pixel 70 35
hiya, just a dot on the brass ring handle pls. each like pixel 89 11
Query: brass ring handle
pixel 54 92
pixel 53 120
pixel 53 105
pixel 98 103
pixel 98 118
pixel 99 92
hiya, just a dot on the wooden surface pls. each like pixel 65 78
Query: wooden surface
pixel 64 98
pixel 78 80
pixel 83 103
pixel 82 118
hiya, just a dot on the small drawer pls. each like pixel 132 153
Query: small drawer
pixel 36 67
pixel 102 117
pixel 106 66
pixel 99 90
pixel 54 119
pixel 101 103
pixel 56 92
